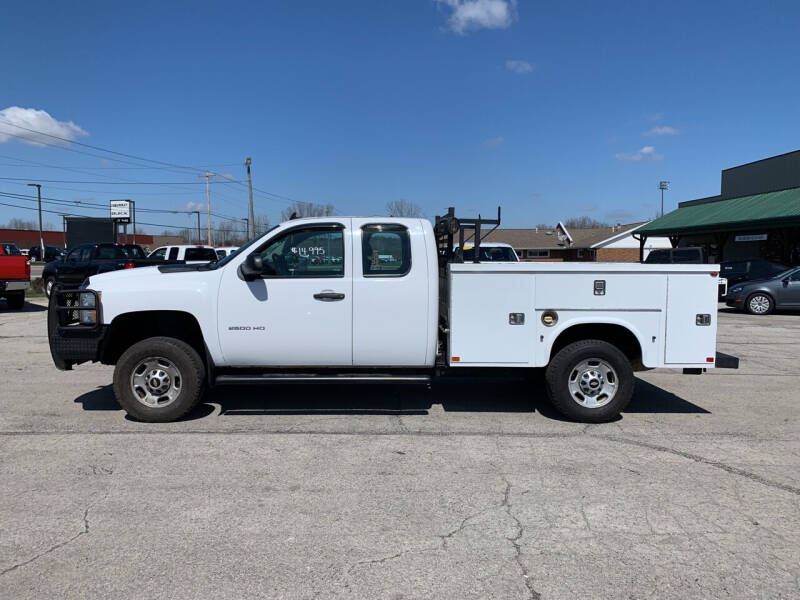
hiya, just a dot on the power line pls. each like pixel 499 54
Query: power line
pixel 71 214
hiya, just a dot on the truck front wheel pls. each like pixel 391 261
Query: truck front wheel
pixel 159 379
pixel 590 381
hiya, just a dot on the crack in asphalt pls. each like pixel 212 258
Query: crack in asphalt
pixel 53 548
pixel 706 461
pixel 534 595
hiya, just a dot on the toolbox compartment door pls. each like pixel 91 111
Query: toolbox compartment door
pixel 481 332
pixel 690 295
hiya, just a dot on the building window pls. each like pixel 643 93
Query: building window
pixel 537 253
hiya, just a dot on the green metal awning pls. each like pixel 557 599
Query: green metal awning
pixel 771 209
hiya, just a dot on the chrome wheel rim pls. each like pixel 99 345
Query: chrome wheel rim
pixel 593 383
pixel 759 304
pixel 156 382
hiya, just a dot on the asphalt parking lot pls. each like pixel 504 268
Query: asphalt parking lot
pixel 470 490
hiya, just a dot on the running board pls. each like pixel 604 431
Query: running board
pixel 314 378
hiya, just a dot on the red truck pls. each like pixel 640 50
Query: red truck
pixel 15 275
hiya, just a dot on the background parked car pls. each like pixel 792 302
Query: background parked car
pixel 674 256
pixel 9 249
pixel 736 271
pixel 224 251
pixel 491 252
pixel 90 259
pixel 189 253
pixel 15 276
pixel 763 296
pixel 50 253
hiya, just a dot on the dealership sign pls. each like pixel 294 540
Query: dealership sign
pixel 751 238
pixel 121 210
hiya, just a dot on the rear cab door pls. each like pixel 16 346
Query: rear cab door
pixel 395 293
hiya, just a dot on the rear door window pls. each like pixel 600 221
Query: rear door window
pixel 385 250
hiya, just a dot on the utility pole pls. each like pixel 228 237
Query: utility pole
pixel 208 175
pixel 38 187
pixel 251 223
pixel 197 212
pixel 663 186
pixel 247 226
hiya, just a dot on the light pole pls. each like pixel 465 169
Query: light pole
pixel 252 217
pixel 663 186
pixel 208 175
pixel 197 212
pixel 41 236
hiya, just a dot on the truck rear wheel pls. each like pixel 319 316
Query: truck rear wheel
pixel 159 379
pixel 590 381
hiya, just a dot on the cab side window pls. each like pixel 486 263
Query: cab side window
pixel 385 250
pixel 305 253
pixel 74 256
pixel 159 254
pixel 795 276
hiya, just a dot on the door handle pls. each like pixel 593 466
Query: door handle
pixel 328 296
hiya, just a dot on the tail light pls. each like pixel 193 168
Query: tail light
pixel 129 265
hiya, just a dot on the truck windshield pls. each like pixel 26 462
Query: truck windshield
pixel 491 254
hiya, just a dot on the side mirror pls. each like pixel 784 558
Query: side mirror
pixel 252 267
pixel 785 282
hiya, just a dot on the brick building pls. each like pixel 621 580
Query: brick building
pixel 600 244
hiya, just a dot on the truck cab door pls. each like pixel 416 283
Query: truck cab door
pixel 299 312
pixel 395 294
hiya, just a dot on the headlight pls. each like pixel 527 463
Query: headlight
pixel 87 317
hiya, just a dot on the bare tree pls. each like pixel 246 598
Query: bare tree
pixel 21 224
pixel 403 208
pixel 584 222
pixel 307 209
pixel 261 224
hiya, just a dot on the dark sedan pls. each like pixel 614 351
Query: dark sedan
pixel 763 296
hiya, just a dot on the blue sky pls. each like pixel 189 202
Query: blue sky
pixel 549 109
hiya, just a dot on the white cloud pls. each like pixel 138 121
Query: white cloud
pixel 643 153
pixel 519 66
pixel 662 130
pixel 494 142
pixel 191 207
pixel 38 120
pixel 480 14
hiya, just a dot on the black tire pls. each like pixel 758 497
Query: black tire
pixel 766 300
pixel 182 356
pixel 16 301
pixel 565 363
pixel 49 285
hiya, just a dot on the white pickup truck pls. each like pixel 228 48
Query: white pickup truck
pixel 376 299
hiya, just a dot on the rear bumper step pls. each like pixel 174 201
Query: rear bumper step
pixel 314 378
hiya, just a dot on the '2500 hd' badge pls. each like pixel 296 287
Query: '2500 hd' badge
pixel 247 328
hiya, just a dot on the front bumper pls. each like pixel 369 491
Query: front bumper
pixel 70 341
pixel 734 302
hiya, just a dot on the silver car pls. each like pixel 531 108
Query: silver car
pixel 762 296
